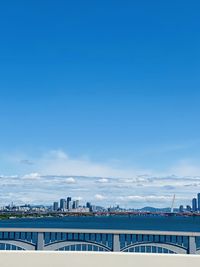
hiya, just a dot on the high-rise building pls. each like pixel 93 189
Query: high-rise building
pixel 188 208
pixel 62 204
pixel 194 204
pixel 93 208
pixel 198 201
pixel 89 206
pixel 181 209
pixel 55 206
pixel 69 199
pixel 75 204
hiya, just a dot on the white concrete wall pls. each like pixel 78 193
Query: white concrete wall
pixel 88 259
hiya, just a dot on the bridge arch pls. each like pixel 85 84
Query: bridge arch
pixel 174 248
pixel 62 244
pixel 20 244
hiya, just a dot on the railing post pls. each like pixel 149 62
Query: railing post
pixel 40 241
pixel 116 243
pixel 192 245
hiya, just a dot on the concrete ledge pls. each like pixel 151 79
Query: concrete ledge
pixel 92 259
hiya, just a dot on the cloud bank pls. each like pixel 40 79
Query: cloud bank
pixel 55 175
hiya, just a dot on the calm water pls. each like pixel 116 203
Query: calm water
pixel 111 222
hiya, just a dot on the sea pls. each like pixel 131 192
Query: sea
pixel 159 223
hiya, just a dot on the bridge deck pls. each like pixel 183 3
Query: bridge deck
pixel 79 259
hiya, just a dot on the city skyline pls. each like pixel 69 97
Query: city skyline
pixel 100 100
pixel 78 186
pixel 70 204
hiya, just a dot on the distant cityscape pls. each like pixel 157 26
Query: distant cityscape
pixel 70 205
pixel 195 207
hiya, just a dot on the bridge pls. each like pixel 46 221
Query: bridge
pixel 51 239
pixel 80 259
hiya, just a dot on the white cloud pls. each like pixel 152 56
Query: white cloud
pixel 55 175
pixel 70 180
pixel 103 180
pixel 157 191
pixel 99 197
pixel 32 176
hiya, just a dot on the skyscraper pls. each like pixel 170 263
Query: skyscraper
pixel 194 204
pixel 181 208
pixel 55 206
pixel 75 204
pixel 198 201
pixel 89 206
pixel 62 204
pixel 69 199
pixel 188 208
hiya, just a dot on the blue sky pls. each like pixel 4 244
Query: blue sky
pixel 100 89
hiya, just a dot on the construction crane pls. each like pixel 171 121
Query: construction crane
pixel 172 206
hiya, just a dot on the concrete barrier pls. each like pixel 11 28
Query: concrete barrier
pixel 93 259
pixel 52 239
